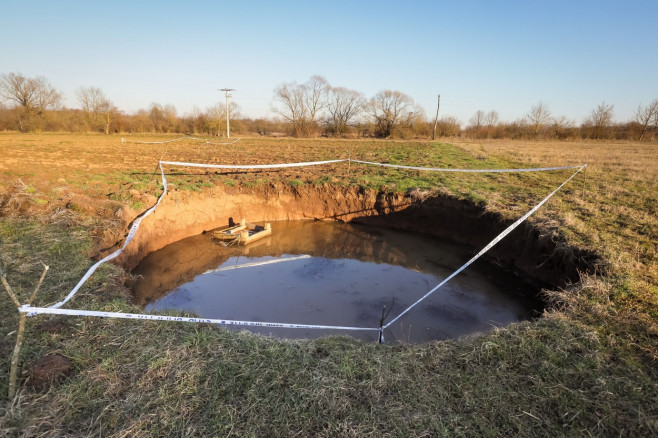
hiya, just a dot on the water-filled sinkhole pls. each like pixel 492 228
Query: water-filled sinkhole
pixel 347 275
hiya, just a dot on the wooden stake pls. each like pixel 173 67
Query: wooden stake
pixel 13 372
pixel 10 292
pixel 382 319
pixel 36 289
pixel 349 162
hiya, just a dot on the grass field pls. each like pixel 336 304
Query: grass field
pixel 588 366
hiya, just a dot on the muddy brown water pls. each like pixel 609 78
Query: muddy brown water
pixel 349 273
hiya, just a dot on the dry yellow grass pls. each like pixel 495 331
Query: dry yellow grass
pixel 616 211
pixel 589 368
pixel 639 160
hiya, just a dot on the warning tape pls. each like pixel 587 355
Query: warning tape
pixel 250 166
pixel 230 142
pixel 438 169
pixel 129 238
pixel 55 309
pixel 135 226
pixel 485 249
pixel 148 317
pixel 167 141
pixel 205 140
pixel 317 163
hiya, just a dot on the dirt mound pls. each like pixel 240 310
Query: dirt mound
pixel 48 370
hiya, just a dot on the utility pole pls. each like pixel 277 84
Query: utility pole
pixel 228 129
pixel 436 119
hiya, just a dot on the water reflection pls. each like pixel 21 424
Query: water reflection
pixel 353 271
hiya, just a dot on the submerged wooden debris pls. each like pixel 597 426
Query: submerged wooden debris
pixel 230 233
pixel 242 234
pixel 248 236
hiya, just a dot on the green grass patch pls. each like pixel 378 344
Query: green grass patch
pixel 587 369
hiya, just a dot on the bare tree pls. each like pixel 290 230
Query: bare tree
pixel 156 114
pixel 561 126
pixel 171 118
pixel 200 120
pixel 390 108
pixel 216 116
pixel 97 108
pixel 538 117
pixel 35 95
pixel 647 117
pixel 316 93
pixel 491 118
pixel 141 121
pixel 290 96
pixel 163 118
pixel 449 127
pixel 477 120
pixel 601 120
pixel 416 124
pixel 343 106
pixel 301 104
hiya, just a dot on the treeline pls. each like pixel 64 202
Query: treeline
pixel 145 121
pixel 540 123
pixel 314 108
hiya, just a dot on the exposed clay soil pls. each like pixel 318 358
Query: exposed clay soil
pixel 183 214
pixel 526 249
pixel 61 169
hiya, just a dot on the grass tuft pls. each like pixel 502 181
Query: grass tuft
pixel 586 367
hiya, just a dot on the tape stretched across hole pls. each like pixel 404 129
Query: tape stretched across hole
pixel 55 309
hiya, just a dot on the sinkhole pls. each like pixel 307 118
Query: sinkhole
pixel 337 274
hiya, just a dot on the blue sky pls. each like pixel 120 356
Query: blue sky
pixel 489 55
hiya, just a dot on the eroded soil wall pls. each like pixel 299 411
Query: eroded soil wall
pixel 542 256
pixel 183 214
